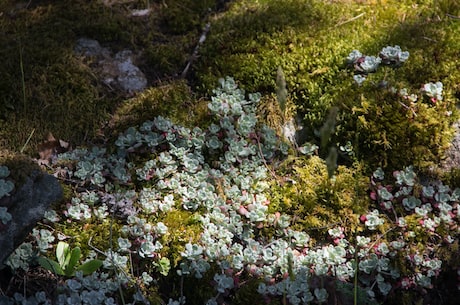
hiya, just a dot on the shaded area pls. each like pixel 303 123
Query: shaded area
pixel 45 87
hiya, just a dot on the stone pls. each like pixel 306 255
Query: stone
pixel 27 206
pixel 118 71
pixel 452 155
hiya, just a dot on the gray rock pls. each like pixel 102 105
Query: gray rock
pixel 27 206
pixel 452 155
pixel 89 48
pixel 117 72
pixel 130 78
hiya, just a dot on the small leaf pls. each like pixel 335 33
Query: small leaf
pixel 163 266
pixel 62 254
pixel 89 267
pixel 74 259
pixel 50 265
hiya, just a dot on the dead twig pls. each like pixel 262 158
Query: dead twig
pixel 453 16
pixel 349 20
pixel 195 51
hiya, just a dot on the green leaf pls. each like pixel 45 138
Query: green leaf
pixel 74 259
pixel 163 266
pixel 50 265
pixel 90 266
pixel 62 254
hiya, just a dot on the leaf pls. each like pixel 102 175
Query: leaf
pixel 50 148
pixel 74 259
pixel 62 254
pixel 50 265
pixel 89 267
pixel 163 266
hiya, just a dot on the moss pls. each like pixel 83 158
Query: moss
pixel 317 203
pixel 310 41
pixel 183 228
pixel 180 16
pixel 391 136
pixel 174 101
pixel 91 236
pixel 21 167
pixel 46 88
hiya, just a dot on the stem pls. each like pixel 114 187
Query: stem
pixel 182 289
pixel 349 20
pixel 195 51
pixel 355 288
pixel 23 82
pixel 27 141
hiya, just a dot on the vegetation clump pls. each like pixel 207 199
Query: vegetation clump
pixel 198 201
pixel 310 41
pixel 202 206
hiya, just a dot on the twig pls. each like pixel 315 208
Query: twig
pixel 23 81
pixel 195 51
pixel 349 20
pixel 27 141
pixel 408 108
pixel 429 39
pixel 453 16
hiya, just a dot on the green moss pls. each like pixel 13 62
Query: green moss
pixel 21 167
pixel 91 236
pixel 174 101
pixel 183 228
pixel 46 88
pixel 310 41
pixel 180 16
pixel 317 203
pixel 391 136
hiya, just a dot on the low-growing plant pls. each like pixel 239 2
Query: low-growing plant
pixel 68 261
pixel 6 186
pixel 226 209
pixel 317 77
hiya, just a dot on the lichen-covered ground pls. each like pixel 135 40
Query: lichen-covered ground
pixel 360 129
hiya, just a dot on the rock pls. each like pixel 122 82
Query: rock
pixel 27 206
pixel 91 48
pixel 452 155
pixel 127 76
pixel 116 71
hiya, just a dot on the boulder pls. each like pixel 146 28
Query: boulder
pixel 26 205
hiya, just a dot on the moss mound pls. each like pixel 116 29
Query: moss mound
pixel 174 100
pixel 316 202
